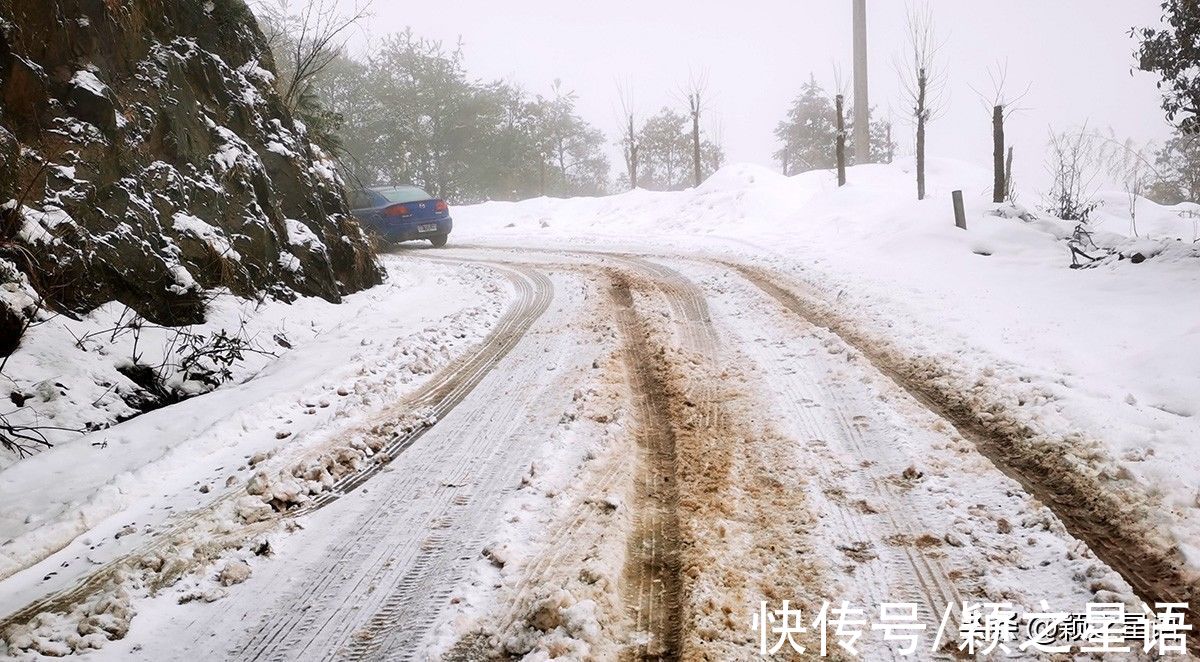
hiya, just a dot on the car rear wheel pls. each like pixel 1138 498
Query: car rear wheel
pixel 439 241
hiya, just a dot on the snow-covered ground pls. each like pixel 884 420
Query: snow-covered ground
pixel 1107 352
pixel 534 514
pixel 91 498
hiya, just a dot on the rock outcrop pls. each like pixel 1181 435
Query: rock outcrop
pixel 145 157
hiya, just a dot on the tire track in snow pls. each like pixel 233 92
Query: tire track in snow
pixel 446 390
pixel 826 417
pixel 657 537
pixel 697 336
pixel 685 298
pixel 451 386
pixel 1088 512
pixel 412 567
pixel 652 569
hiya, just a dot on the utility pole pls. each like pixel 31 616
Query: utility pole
pixel 862 112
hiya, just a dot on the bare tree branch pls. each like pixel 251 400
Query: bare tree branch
pixel 311 35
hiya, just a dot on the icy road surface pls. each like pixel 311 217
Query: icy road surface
pixel 642 449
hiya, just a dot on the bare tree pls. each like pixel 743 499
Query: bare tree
pixel 1002 107
pixel 629 141
pixel 1131 165
pixel 1074 166
pixel 696 89
pixel 1136 176
pixel 306 37
pixel 922 79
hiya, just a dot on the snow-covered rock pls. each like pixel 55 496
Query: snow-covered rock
pixel 170 164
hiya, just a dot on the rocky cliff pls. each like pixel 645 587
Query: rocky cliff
pixel 145 157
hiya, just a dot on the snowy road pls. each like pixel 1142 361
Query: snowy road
pixel 642 450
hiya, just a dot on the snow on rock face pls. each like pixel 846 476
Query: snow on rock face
pixel 173 166
pixel 88 81
pixel 299 235
pixel 216 240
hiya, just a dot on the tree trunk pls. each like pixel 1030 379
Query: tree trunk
pixel 562 167
pixel 1008 175
pixel 999 189
pixel 891 147
pixel 922 84
pixel 839 104
pixel 632 156
pixel 696 140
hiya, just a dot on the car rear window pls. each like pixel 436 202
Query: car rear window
pixel 404 194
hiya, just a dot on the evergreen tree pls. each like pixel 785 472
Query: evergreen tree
pixel 1178 165
pixel 571 149
pixel 1173 53
pixel 411 114
pixel 883 148
pixel 808 135
pixel 344 107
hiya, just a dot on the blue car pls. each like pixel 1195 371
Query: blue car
pixel 403 213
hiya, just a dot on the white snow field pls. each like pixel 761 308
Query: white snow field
pixel 612 428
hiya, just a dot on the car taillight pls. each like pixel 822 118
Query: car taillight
pixel 395 211
pixel 441 205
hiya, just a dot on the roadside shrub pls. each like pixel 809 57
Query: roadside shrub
pixel 1073 163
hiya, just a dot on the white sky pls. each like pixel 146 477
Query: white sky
pixel 1077 55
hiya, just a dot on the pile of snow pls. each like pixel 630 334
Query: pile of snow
pixel 1149 219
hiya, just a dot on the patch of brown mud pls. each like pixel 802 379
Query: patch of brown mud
pixel 740 518
pixel 652 577
pixel 473 647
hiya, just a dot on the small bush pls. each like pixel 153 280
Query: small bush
pixel 1074 165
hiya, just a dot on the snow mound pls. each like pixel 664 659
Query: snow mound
pixel 737 176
